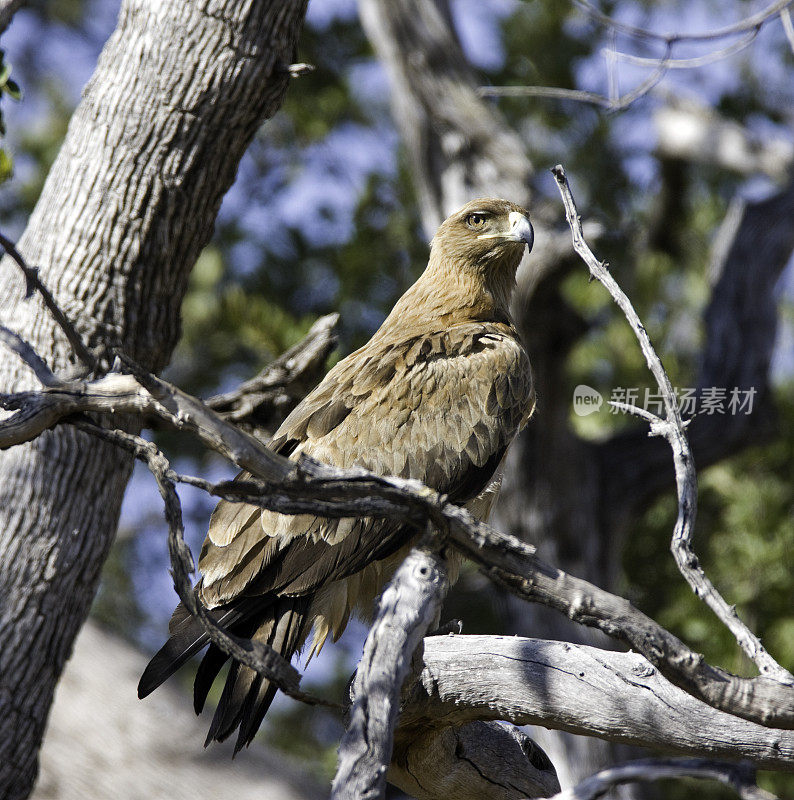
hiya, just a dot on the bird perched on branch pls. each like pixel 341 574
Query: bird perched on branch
pixel 437 394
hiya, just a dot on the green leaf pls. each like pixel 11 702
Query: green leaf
pixel 12 90
pixel 6 166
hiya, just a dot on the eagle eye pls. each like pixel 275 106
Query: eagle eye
pixel 476 221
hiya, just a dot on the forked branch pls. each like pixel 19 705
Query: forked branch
pixel 673 430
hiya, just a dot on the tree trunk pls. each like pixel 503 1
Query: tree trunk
pixel 180 90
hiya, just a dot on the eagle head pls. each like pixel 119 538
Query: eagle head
pixel 485 235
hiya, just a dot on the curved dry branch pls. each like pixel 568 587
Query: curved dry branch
pixel 585 690
pixel 738 776
pixel 749 27
pixel 672 429
pixel 309 487
pixel 742 26
pixel 34 284
pixel 263 401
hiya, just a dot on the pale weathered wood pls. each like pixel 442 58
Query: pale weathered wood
pixel 581 689
pixel 671 428
pixel 408 607
pixel 180 90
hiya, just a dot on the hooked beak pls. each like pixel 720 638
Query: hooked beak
pixel 520 230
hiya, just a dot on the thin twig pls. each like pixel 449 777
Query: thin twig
pixel 259 656
pixel 749 26
pixel 740 777
pixel 672 428
pixel 746 24
pixel 618 103
pixel 695 61
pixel 33 283
pixel 14 342
pixel 577 95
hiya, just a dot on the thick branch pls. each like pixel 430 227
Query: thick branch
pixel 692 132
pixel 459 147
pixel 408 607
pixel 584 690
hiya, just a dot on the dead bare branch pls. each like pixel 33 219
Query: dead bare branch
pixel 742 26
pixel 259 404
pixel 408 607
pixel 34 284
pixel 584 690
pixel 749 27
pixel 740 777
pixel 672 429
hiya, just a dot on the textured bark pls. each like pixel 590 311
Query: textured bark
pixel 179 91
pixel 586 690
pixel 473 761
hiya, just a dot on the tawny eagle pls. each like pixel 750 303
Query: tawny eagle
pixel 437 394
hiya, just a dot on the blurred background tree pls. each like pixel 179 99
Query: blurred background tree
pixel 328 213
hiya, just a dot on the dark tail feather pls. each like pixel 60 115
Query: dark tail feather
pixel 208 670
pixel 258 702
pixel 246 697
pixel 227 714
pixel 187 638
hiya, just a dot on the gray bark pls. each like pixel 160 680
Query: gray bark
pixel 179 91
pixel 616 696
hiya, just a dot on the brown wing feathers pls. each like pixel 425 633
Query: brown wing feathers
pixel 437 394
